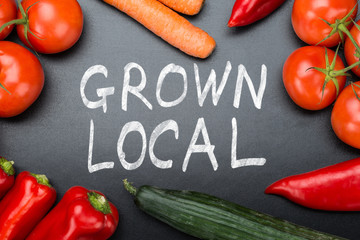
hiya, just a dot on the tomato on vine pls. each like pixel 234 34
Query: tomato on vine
pixel 8 12
pixel 313 77
pixel 51 26
pixel 21 79
pixel 323 22
pixel 48 26
pixel 351 49
pixel 345 116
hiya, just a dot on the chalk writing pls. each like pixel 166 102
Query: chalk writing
pixel 200 130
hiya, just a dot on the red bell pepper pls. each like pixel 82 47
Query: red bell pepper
pixel 25 205
pixel 246 12
pixel 7 176
pixel 81 214
pixel 332 188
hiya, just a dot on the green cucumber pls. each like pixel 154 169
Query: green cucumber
pixel 212 218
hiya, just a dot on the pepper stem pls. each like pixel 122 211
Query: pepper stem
pixel 41 179
pixel 99 202
pixel 129 187
pixel 7 166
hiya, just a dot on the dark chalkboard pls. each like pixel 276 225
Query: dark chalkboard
pixel 53 136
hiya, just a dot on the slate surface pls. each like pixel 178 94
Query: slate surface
pixel 52 136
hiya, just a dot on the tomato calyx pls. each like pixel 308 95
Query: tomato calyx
pixel 25 22
pixel 341 27
pixel 330 73
pixel 2 86
pixel 22 21
pixel 353 88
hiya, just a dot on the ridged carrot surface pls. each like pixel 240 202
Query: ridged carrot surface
pixel 168 25
pixel 188 7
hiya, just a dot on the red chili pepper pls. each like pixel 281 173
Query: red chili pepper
pixel 333 188
pixel 25 205
pixel 7 177
pixel 246 12
pixel 81 214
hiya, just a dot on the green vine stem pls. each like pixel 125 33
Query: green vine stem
pixel 15 21
pixel 344 29
pixel 343 71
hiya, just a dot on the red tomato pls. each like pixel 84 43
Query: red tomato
pixel 349 49
pixel 345 116
pixel 57 24
pixel 22 75
pixel 7 13
pixel 304 85
pixel 307 20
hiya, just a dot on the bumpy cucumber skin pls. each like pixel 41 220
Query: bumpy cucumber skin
pixel 210 218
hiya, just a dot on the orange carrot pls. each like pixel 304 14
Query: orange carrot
pixel 188 7
pixel 168 25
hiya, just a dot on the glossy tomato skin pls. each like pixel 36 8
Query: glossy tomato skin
pixel 349 49
pixel 58 25
pixel 8 12
pixel 345 117
pixel 22 75
pixel 305 85
pixel 307 14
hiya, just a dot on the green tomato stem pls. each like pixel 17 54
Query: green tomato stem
pixel 21 9
pixel 15 21
pixel 344 29
pixel 343 71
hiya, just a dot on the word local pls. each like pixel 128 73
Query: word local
pixel 171 125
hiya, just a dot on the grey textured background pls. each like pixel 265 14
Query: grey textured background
pixel 52 136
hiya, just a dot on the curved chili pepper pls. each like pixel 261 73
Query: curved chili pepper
pixel 333 188
pixel 246 12
pixel 24 205
pixel 81 214
pixel 7 177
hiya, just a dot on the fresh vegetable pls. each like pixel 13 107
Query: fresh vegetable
pixel 168 25
pixel 323 22
pixel 49 26
pixel 188 7
pixel 8 12
pixel 81 214
pixel 21 79
pixel 208 217
pixel 332 188
pixel 250 11
pixel 25 205
pixel 7 177
pixel 313 77
pixel 350 50
pixel 345 116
